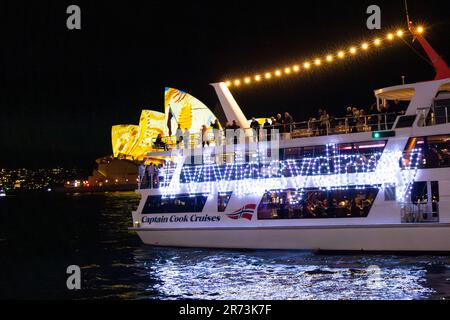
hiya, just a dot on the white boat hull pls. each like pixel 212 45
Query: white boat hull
pixel 412 237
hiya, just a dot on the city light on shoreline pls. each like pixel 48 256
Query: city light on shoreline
pixel 328 58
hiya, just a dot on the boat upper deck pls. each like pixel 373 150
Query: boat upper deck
pixel 307 129
pixel 428 105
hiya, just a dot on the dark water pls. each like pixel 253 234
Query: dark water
pixel 42 234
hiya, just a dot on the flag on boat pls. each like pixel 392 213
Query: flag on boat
pixel 169 121
pixel 246 212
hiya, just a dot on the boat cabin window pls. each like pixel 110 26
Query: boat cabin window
pixel 423 205
pixel 425 191
pixel 176 204
pixel 434 150
pixel 222 201
pixel 353 202
pixel 405 121
pixel 390 194
pixel 333 159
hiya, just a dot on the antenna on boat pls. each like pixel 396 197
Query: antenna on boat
pixel 439 65
pixel 407 13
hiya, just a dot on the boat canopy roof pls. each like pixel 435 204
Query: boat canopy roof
pixel 406 92
pixel 400 93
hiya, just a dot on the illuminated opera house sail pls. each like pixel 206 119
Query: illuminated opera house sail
pixel 134 141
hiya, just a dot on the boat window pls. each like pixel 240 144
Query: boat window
pixel 440 113
pixel 434 151
pixel 352 202
pixel 405 121
pixel 423 205
pixel 175 204
pixel 390 194
pixel 222 201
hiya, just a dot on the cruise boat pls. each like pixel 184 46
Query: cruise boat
pixel 380 182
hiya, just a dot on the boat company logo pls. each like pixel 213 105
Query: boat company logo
pixel 246 212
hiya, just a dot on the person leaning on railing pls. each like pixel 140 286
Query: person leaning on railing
pixel 288 122
pixel 254 125
pixel 268 130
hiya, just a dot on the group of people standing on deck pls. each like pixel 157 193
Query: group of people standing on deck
pixel 231 132
pixel 205 137
pixel 356 120
pixel 150 175
pixel 283 124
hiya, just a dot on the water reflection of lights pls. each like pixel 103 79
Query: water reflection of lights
pixel 204 274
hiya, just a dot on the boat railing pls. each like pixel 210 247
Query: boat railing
pixel 420 212
pixel 304 129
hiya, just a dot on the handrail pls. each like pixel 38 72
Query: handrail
pixel 419 212
pixel 311 128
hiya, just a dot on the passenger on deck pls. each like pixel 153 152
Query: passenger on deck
pixel 236 131
pixel 141 175
pixel 179 136
pixel 289 122
pixel 254 125
pixel 324 123
pixel 280 123
pixel 268 131
pixel 349 112
pixel 216 132
pixel 361 120
pixel 150 172
pixel 186 138
pixel 159 143
pixel 353 120
pixel 204 136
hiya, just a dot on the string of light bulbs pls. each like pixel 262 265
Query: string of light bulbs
pixel 329 58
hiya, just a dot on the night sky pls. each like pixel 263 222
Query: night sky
pixel 62 90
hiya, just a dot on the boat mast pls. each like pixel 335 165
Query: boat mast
pixel 440 66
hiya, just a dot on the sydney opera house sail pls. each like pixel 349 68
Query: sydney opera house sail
pixel 123 138
pixel 186 110
pixel 134 141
